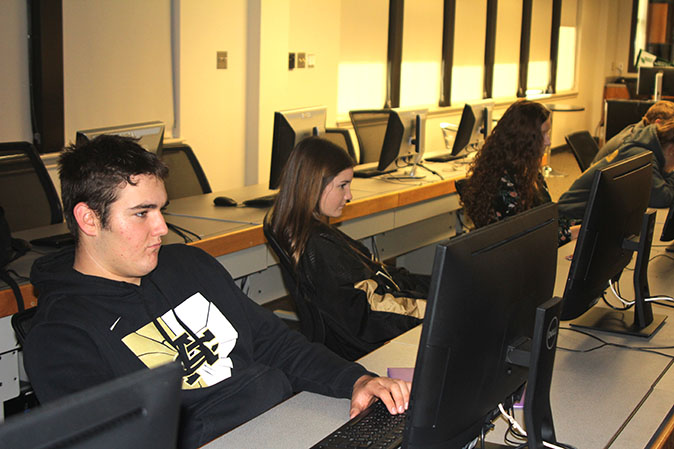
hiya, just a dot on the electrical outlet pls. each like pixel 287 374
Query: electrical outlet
pixel 301 60
pixel 221 60
pixel 291 61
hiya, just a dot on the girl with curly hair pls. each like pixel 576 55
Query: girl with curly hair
pixel 505 177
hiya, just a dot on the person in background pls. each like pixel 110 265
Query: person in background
pixel 659 112
pixel 504 178
pixel 657 138
pixel 120 301
pixel 372 302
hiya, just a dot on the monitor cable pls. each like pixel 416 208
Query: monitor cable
pixel 186 234
pixel 631 303
pixel 604 343
pixel 518 431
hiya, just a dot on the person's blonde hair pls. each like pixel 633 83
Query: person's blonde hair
pixel 662 110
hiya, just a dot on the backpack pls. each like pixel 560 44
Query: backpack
pixel 10 250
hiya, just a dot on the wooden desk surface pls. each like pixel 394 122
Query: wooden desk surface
pixel 246 223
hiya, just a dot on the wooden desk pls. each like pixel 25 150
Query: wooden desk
pixel 611 397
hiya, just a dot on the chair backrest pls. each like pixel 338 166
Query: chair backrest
pixel 341 137
pixel 186 177
pixel 21 323
pixel 311 320
pixel 27 192
pixel 584 148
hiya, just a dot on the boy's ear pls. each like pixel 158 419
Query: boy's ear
pixel 86 218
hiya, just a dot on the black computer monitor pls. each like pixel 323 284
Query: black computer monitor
pixel 139 410
pixel 386 136
pixel 486 287
pixel 474 127
pixel 404 140
pixel 615 226
pixel 646 81
pixel 150 135
pixel 621 113
pixel 290 127
pixel 668 228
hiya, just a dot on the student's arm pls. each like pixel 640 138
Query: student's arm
pixel 662 188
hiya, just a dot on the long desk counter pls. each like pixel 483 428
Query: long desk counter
pixel 232 232
pixel 609 397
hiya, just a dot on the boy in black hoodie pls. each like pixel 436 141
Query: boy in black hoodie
pixel 121 302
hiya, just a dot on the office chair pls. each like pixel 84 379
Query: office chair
pixel 21 323
pixel 186 177
pixel 311 321
pixel 27 192
pixel 341 137
pixel 584 148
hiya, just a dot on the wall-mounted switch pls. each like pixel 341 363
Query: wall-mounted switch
pixel 301 60
pixel 221 60
pixel 291 61
pixel 311 60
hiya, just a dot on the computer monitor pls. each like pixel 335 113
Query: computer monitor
pixel 668 228
pixel 385 136
pixel 646 82
pixel 290 127
pixel 615 226
pixel 481 310
pixel 474 127
pixel 405 139
pixel 150 135
pixel 137 410
pixel 482 111
pixel 619 114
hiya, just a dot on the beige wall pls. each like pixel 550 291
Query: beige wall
pixel 227 115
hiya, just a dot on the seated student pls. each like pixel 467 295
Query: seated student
pixel 657 138
pixel 659 112
pixel 121 302
pixel 374 302
pixel 505 178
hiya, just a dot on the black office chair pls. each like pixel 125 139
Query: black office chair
pixel 311 321
pixel 186 177
pixel 22 322
pixel 341 137
pixel 27 193
pixel 584 148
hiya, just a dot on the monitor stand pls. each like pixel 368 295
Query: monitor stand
pixel 645 323
pixel 538 355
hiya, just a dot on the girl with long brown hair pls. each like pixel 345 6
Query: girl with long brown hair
pixel 371 302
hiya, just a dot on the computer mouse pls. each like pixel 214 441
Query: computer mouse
pixel 224 201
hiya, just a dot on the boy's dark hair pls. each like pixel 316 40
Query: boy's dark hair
pixel 93 172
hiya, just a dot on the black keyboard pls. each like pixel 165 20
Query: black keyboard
pixel 445 157
pixel 370 172
pixel 374 428
pixel 261 201
pixel 54 241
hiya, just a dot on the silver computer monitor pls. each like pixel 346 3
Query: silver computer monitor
pixel 150 135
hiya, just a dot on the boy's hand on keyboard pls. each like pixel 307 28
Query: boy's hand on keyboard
pixel 394 393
